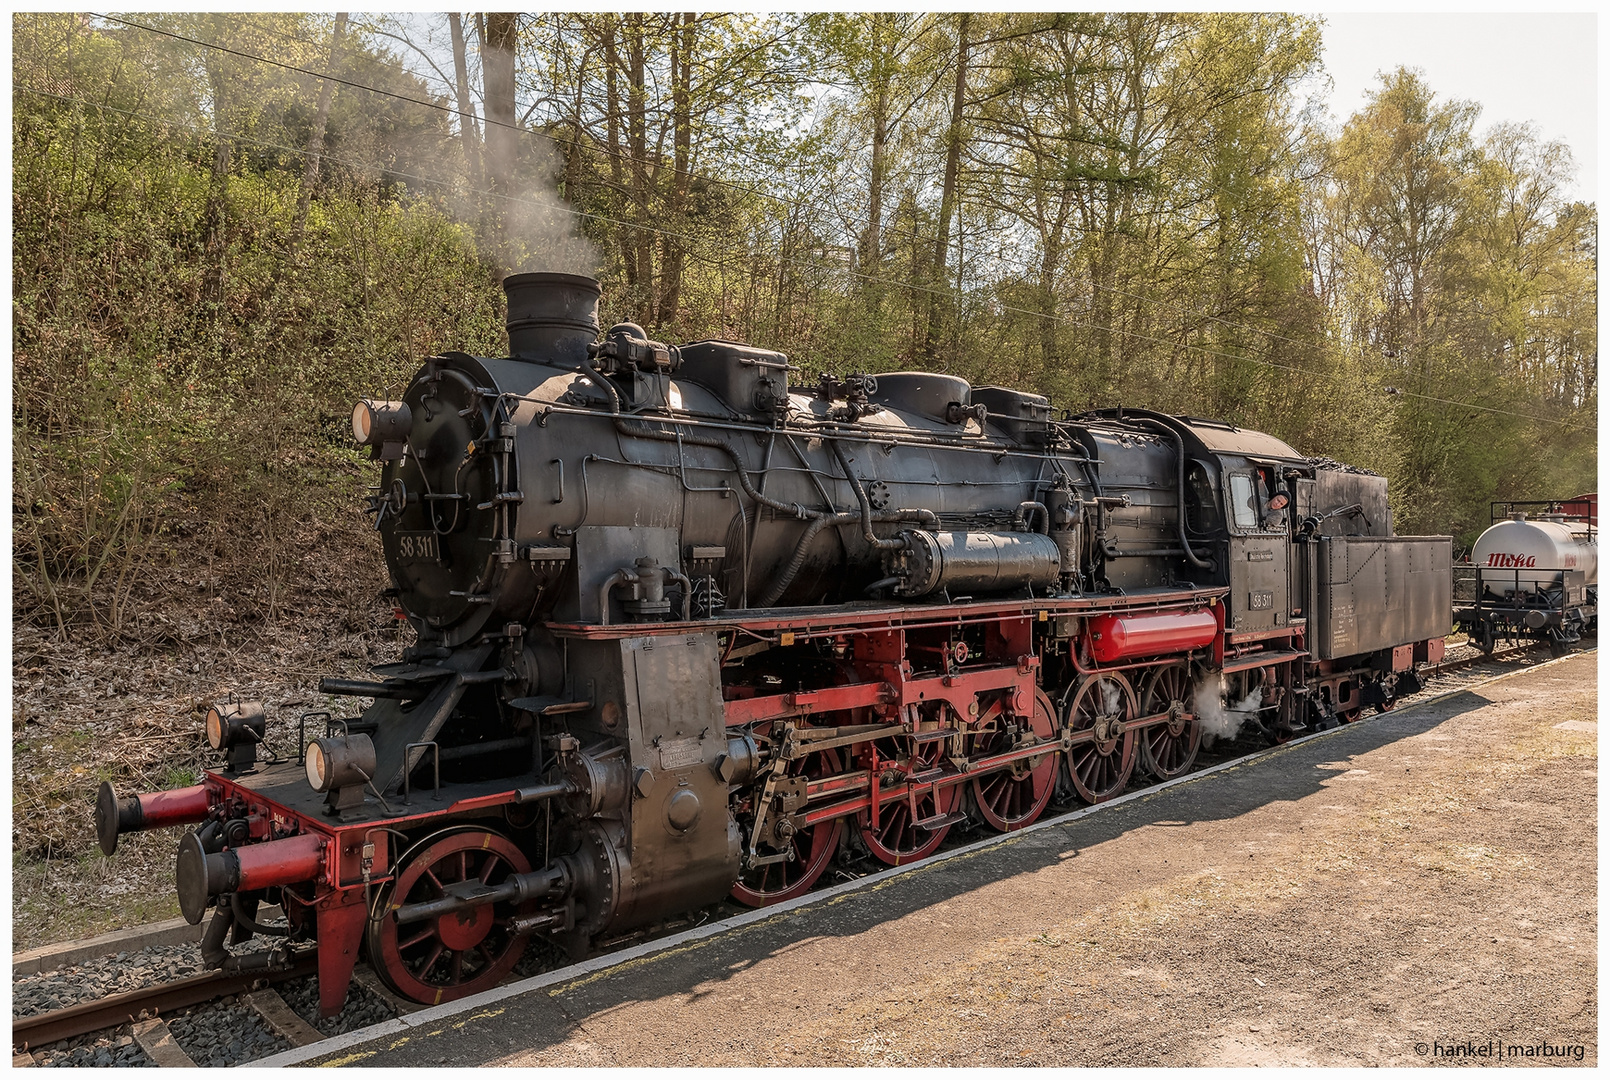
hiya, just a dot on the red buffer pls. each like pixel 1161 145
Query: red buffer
pixel 1125 637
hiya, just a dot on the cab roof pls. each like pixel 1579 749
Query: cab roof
pixel 1228 439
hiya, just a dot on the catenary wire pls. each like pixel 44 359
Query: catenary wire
pixel 797 205
pixel 693 252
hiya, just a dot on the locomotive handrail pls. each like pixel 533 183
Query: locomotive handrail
pixel 826 429
pixel 408 770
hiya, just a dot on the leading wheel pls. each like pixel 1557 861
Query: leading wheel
pixel 1168 749
pixel 901 835
pixel 809 852
pixel 1104 705
pixel 449 956
pixel 1015 796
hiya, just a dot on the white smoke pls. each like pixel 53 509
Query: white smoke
pixel 1218 719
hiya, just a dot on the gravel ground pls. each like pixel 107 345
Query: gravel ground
pixel 362 1007
pixel 102 977
pixel 227 1032
pixel 102 1049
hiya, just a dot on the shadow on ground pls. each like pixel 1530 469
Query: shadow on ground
pixel 549 1016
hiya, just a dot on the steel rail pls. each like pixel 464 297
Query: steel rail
pixel 1445 666
pixel 29 1032
pixel 81 1019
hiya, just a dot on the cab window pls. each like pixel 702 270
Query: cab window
pixel 1243 502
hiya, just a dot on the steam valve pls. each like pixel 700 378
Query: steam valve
pixel 627 348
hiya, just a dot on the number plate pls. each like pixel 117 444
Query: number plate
pixel 416 546
pixel 680 753
pixel 1261 601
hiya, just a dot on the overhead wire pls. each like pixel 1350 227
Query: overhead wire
pixel 791 204
pixel 693 251
pixel 946 291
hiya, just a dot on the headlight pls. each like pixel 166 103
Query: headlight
pixel 234 723
pixel 340 761
pixel 375 423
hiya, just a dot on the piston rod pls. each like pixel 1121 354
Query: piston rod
pixel 462 895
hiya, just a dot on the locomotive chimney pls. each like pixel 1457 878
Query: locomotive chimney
pixel 552 317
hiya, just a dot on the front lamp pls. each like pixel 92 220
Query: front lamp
pixel 340 761
pixel 382 425
pixel 237 727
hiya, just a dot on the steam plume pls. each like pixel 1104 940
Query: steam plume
pixel 1218 719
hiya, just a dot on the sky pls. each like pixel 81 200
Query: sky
pixel 1519 67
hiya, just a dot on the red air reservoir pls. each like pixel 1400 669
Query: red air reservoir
pixel 1125 637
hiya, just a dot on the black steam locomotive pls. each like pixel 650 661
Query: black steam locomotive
pixel 687 629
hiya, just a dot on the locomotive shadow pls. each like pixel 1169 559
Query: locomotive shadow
pixel 559 1016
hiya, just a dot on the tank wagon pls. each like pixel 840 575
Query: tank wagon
pixel 1533 574
pixel 688 629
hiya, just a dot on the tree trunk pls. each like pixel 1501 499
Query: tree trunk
pixel 217 212
pixel 315 142
pixel 497 69
pixel 672 251
pixel 947 198
pixel 637 141
pixel 872 242
pixel 617 164
pixel 466 108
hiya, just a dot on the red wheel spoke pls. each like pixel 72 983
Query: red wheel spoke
pixel 424 935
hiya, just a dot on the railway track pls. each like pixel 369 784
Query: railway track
pixel 1476 656
pixel 150 1002
pixel 145 1007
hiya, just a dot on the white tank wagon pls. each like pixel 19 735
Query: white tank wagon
pixel 1533 575
pixel 1527 556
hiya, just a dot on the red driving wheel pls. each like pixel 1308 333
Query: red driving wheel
pixel 901 836
pixel 1017 795
pixel 810 852
pixel 450 956
pixel 1100 766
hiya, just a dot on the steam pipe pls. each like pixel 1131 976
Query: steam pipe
pixel 1029 507
pixel 781 583
pixel 619 577
pixel 897 543
pixel 687 591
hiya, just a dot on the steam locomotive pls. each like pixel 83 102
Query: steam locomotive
pixel 687 630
